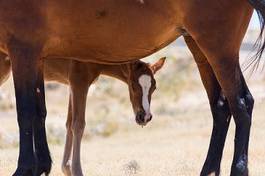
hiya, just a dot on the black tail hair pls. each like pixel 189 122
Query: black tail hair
pixel 259 6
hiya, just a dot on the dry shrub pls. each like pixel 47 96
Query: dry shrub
pixel 131 168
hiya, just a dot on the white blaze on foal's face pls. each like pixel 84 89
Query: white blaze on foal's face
pixel 145 83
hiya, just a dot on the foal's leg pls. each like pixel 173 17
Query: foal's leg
pixel 28 79
pixel 219 107
pixel 69 141
pixel 80 79
pixel 79 94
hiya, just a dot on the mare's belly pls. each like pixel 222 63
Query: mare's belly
pixel 108 32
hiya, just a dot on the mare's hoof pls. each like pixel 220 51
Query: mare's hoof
pixel 240 169
pixel 43 168
pixel 39 170
pixel 237 172
pixel 23 172
pixel 213 173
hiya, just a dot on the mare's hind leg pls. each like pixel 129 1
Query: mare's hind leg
pixel 219 38
pixel 28 79
pixel 219 107
pixel 225 64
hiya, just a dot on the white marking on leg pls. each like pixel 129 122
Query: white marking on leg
pixel 38 90
pixel 220 103
pixel 212 174
pixel 145 82
pixel 242 101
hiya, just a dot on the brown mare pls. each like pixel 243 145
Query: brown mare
pixel 119 31
pixel 79 77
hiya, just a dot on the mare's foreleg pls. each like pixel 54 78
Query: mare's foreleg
pixel 27 70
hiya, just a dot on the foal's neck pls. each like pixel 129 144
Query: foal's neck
pixel 120 72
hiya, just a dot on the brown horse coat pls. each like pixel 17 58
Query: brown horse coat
pixel 119 31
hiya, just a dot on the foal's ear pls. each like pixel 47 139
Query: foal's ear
pixel 158 65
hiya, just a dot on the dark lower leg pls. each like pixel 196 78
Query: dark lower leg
pixel 243 114
pixel 249 102
pixel 40 139
pixel 221 120
pixel 26 70
pixel 219 107
pixel 241 104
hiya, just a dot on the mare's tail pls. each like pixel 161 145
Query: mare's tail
pixel 259 6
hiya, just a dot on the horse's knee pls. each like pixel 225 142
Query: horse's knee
pixel 241 115
pixel 249 101
pixel 68 125
pixel 220 110
pixel 78 127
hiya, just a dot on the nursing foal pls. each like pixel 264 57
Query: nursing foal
pixel 138 75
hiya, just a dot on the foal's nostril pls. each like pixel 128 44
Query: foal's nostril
pixel 150 118
pixel 140 117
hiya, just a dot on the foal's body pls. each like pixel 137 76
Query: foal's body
pixel 79 77
pixel 118 31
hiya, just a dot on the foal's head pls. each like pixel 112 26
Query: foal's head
pixel 142 84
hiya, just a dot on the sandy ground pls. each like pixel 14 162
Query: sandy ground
pixel 166 147
pixel 175 143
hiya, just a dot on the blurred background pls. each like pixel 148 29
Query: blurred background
pixel 174 143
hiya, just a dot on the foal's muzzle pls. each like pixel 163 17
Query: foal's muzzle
pixel 143 118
